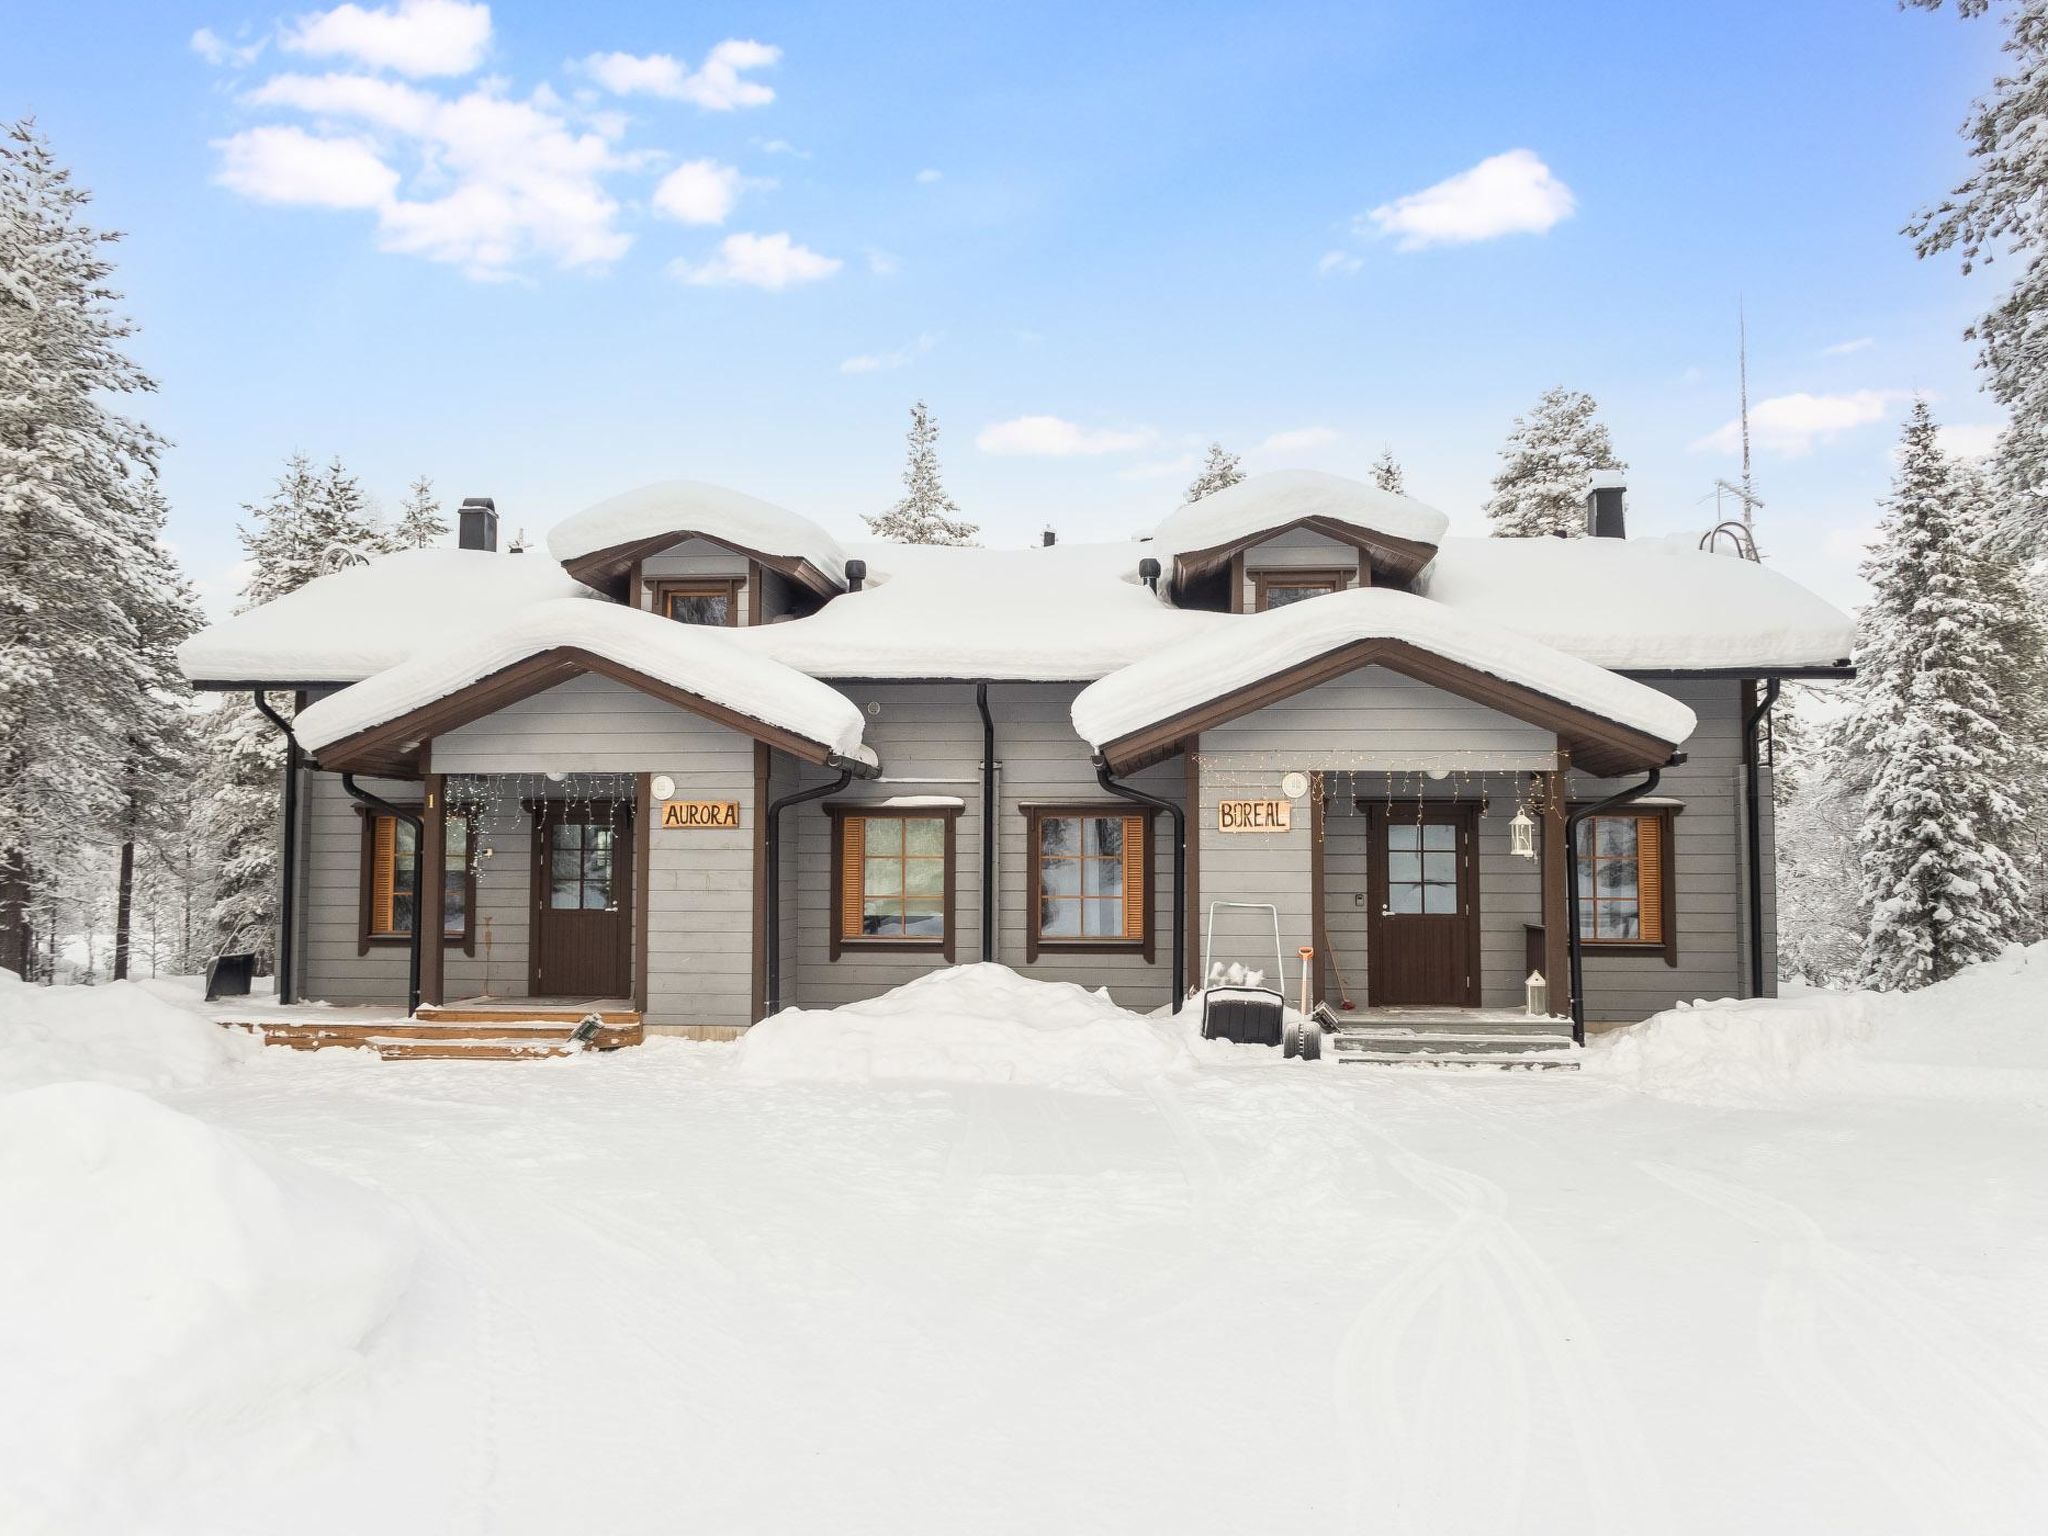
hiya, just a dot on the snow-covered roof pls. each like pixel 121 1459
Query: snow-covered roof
pixel 1262 504
pixel 343 627
pixel 1071 612
pixel 1255 647
pixel 684 507
pixel 695 659
pixel 1641 605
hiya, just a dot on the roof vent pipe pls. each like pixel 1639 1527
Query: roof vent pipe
pixel 1148 572
pixel 1047 539
pixel 1605 512
pixel 477 523
pixel 856 574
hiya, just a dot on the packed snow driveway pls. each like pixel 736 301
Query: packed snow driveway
pixel 810 1286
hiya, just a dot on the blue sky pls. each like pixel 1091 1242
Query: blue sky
pixel 549 252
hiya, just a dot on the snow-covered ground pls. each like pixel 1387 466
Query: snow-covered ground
pixel 992 1258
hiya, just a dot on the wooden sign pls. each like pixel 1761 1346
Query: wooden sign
pixel 698 815
pixel 1254 815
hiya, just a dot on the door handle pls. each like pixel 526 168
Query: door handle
pixel 1386 912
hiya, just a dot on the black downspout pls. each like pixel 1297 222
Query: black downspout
pixel 1180 871
pixel 988 823
pixel 288 857
pixel 1752 759
pixel 419 871
pixel 1572 819
pixel 771 944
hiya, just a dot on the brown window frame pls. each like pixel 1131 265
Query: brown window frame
pixel 841 940
pixel 1037 943
pixel 1330 579
pixel 367 938
pixel 1665 946
pixel 727 587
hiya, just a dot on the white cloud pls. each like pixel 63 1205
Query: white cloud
pixel 927 176
pixel 1299 438
pixel 215 49
pixel 289 165
pixel 1844 348
pixel 1968 440
pixel 719 85
pixel 1508 194
pixel 882 263
pixel 1792 424
pixel 882 362
pixel 781 147
pixel 414 37
pixel 1339 264
pixel 757 261
pixel 1055 438
pixel 698 192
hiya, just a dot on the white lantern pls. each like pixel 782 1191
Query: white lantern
pixel 1536 996
pixel 1522 836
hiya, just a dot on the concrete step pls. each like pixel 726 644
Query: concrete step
pixel 1444 1042
pixel 1496 1063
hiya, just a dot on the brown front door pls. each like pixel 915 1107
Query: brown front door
pixel 1422 904
pixel 583 892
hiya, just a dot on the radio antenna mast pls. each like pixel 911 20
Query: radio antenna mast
pixel 1742 365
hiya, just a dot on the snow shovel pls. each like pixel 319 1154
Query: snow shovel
pixel 1243 1011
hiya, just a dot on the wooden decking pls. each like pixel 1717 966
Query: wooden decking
pixel 473 1029
pixel 1455 1037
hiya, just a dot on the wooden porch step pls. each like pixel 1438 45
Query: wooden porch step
pixel 1419 1040
pixel 516 1013
pixel 1494 1063
pixel 401 1040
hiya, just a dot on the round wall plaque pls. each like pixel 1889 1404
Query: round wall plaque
pixel 1294 785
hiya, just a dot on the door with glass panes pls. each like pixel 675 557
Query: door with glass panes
pixel 583 899
pixel 1422 905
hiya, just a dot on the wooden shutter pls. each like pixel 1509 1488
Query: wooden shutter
pixel 1650 877
pixel 852 876
pixel 1134 877
pixel 383 873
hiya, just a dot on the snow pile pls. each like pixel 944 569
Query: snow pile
pixel 1261 504
pixel 1258 646
pixel 116 1034
pixel 970 1023
pixel 685 507
pixel 344 627
pixel 694 657
pixel 1648 603
pixel 164 1285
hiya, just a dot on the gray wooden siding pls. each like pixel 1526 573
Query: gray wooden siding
pixel 697 557
pixel 1296 550
pixel 591 725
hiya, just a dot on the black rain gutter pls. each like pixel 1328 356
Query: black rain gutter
pixel 1752 760
pixel 1575 940
pixel 1178 983
pixel 288 856
pixel 988 823
pixel 771 899
pixel 419 872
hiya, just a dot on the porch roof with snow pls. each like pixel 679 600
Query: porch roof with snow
pixel 1397 532
pixel 601 544
pixel 379 724
pixel 1142 713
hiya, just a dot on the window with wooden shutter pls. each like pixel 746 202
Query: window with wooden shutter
pixel 389 850
pixel 892 878
pixel 1089 879
pixel 1626 897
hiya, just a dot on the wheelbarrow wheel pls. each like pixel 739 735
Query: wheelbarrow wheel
pixel 1291 1039
pixel 1312 1042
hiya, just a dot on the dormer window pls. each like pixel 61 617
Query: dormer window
pixel 715 602
pixel 1276 589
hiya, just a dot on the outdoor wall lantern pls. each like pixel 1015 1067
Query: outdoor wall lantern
pixel 1522 836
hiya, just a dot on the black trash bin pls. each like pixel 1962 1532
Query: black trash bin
pixel 229 976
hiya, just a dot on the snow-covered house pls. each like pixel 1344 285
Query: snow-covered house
pixel 703 762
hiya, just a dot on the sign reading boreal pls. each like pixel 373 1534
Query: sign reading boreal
pixel 1254 816
pixel 699 815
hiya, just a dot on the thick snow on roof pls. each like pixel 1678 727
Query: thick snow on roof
pixel 689 656
pixel 1073 612
pixel 1261 645
pixel 343 627
pixel 1640 604
pixel 690 506
pixel 1261 503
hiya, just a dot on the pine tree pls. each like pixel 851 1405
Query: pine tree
pixel 1219 471
pixel 419 518
pixel 1547 468
pixel 1939 889
pixel 1386 473
pixel 925 515
pixel 75 515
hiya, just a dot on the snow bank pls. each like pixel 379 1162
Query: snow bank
pixel 1261 504
pixel 1257 646
pixel 695 657
pixel 1643 604
pixel 344 627
pixel 684 507
pixel 117 1034
pixel 971 1023
pixel 163 1285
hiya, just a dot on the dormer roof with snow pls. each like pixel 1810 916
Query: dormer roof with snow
pixel 1399 534
pixel 600 544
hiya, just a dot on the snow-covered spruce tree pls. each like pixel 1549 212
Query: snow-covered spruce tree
pixel 1939 888
pixel 1386 473
pixel 74 513
pixel 1547 468
pixel 1219 470
pixel 419 518
pixel 926 514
